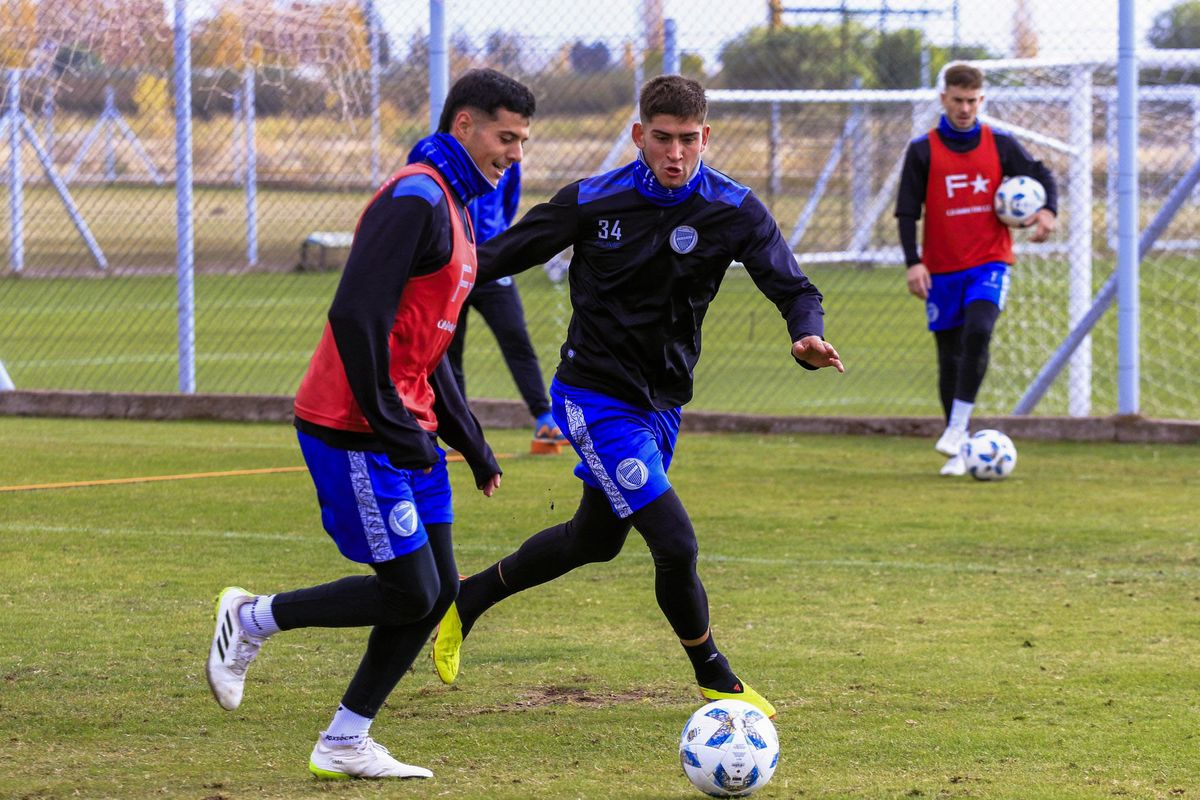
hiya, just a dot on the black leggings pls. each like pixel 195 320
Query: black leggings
pixel 596 534
pixel 404 600
pixel 500 306
pixel 963 354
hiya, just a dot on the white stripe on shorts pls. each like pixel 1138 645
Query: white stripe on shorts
pixel 577 425
pixel 373 523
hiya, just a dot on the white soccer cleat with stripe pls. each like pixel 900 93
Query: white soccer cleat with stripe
pixel 365 759
pixel 956 466
pixel 232 649
pixel 951 441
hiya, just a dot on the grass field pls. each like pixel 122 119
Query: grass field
pixel 922 637
pixel 255 333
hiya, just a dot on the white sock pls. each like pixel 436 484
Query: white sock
pixel 257 618
pixel 346 727
pixel 960 415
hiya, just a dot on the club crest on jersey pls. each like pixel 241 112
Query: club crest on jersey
pixel 632 473
pixel 684 239
pixel 931 311
pixel 403 519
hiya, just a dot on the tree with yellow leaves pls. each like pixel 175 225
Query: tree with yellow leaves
pixel 18 19
pixel 119 33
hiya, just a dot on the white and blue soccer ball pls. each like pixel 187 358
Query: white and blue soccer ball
pixel 990 455
pixel 1018 199
pixel 729 749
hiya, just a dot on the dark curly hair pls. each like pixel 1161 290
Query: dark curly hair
pixel 486 90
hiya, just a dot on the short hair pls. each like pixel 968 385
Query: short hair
pixel 962 75
pixel 488 91
pixel 674 95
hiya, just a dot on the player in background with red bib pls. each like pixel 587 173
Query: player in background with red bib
pixel 962 273
pixel 377 395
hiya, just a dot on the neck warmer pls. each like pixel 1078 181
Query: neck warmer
pixel 951 132
pixel 649 187
pixel 451 159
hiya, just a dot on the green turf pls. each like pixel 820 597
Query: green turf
pixel 922 637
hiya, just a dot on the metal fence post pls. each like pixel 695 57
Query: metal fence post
pixel 1079 237
pixel 16 188
pixel 185 244
pixel 1127 223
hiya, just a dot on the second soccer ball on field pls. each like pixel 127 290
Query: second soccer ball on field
pixel 1018 199
pixel 989 455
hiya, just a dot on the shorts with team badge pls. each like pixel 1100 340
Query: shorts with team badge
pixel 372 510
pixel 951 292
pixel 625 450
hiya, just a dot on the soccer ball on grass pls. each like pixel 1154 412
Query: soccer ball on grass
pixel 729 749
pixel 1018 200
pixel 990 455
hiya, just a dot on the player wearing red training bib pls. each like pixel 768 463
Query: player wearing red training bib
pixel 377 395
pixel 962 271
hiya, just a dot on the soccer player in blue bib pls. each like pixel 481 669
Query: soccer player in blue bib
pixel 652 240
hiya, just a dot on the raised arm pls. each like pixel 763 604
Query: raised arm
pixel 544 232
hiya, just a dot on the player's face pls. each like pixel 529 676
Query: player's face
pixel 671 147
pixel 962 106
pixel 494 144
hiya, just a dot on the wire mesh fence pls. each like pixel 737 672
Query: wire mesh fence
pixel 298 110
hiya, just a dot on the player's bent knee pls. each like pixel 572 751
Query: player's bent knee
pixel 599 552
pixel 597 539
pixel 447 595
pixel 410 601
pixel 977 337
pixel 676 555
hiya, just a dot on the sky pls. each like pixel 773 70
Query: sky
pixel 1066 28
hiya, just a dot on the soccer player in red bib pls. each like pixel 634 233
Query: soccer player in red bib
pixel 962 273
pixel 377 395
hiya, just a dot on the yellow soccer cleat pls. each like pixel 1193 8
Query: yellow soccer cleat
pixel 743 693
pixel 447 645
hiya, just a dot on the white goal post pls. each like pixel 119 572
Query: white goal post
pixel 1065 91
pixel 870 206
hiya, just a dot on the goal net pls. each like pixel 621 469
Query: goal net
pixel 830 163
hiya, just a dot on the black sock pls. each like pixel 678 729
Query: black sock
pixel 479 593
pixel 712 668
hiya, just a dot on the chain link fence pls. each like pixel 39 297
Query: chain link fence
pixel 299 110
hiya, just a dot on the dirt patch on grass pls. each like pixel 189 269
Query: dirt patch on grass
pixel 553 695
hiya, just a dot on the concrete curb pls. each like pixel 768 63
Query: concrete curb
pixel 512 414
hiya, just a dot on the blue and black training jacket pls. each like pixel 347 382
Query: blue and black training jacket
pixel 643 274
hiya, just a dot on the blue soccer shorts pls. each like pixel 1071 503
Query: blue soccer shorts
pixel 373 511
pixel 951 293
pixel 625 450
